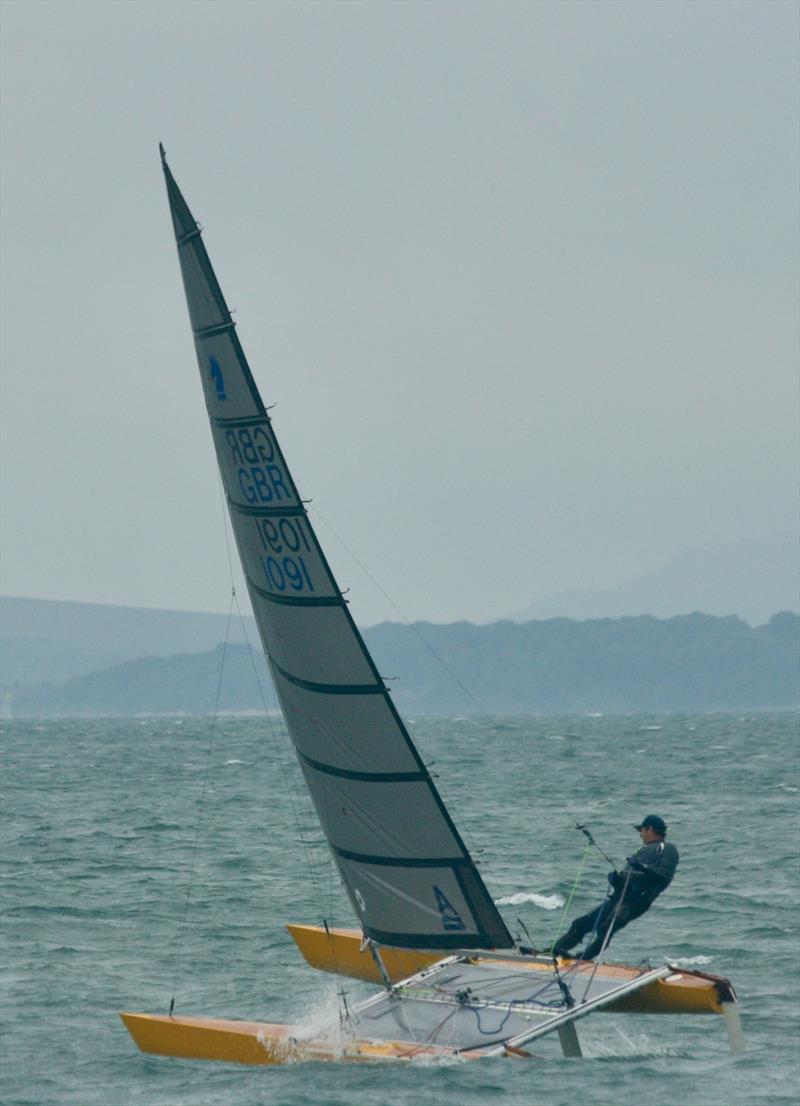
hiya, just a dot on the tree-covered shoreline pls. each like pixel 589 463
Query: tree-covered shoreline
pixel 687 663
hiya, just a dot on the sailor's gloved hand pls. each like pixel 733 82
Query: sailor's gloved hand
pixel 637 865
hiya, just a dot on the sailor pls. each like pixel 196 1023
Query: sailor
pixel 632 892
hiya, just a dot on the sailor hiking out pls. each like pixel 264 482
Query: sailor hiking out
pixel 632 892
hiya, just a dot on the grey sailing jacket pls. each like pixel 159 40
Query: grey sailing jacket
pixel 651 870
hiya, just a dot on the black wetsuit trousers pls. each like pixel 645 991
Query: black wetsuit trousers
pixel 601 919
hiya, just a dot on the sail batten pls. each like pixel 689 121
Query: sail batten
pixel 290 601
pixel 217 328
pixel 407 872
pixel 184 238
pixel 232 424
pixel 406 862
pixel 365 777
pixel 329 689
pixel 265 512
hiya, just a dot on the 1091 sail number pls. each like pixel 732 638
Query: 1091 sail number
pixel 284 541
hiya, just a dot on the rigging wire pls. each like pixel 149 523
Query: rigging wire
pixel 206 774
pixel 289 786
pixel 527 933
pixel 473 849
pixel 587 834
pixel 564 912
pixel 292 792
pixel 609 931
pixel 289 789
pixel 284 770
pixel 403 615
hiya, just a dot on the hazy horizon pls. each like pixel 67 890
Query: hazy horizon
pixel 522 280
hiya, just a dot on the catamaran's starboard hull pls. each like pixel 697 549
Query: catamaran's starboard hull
pixel 339 951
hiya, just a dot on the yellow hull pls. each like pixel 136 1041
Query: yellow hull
pixel 240 1042
pixel 339 951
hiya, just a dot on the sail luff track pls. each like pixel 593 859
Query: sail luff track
pixel 406 869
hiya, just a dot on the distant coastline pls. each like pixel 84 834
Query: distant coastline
pixel 89 660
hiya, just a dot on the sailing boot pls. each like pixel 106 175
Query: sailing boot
pixel 565 943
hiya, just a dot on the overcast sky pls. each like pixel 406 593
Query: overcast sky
pixel 521 279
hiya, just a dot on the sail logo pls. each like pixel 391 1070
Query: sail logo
pixel 451 919
pixel 218 379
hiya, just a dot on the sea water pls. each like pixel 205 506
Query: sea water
pixel 152 857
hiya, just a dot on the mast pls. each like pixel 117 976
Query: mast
pixel 408 874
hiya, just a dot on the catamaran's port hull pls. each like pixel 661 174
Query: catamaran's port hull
pixel 240 1042
pixel 339 951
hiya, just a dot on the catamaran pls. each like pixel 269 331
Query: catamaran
pixel 454 982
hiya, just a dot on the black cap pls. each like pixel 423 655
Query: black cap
pixel 653 822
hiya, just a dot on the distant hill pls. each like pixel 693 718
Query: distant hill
pixel 689 663
pixel 185 683
pixel 751 579
pixel 43 639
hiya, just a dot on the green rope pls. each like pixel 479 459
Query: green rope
pixel 581 866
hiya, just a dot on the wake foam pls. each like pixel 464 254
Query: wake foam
pixel 622 1046
pixel 322 1021
pixel 544 902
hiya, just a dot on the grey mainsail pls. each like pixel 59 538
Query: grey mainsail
pixel 409 876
